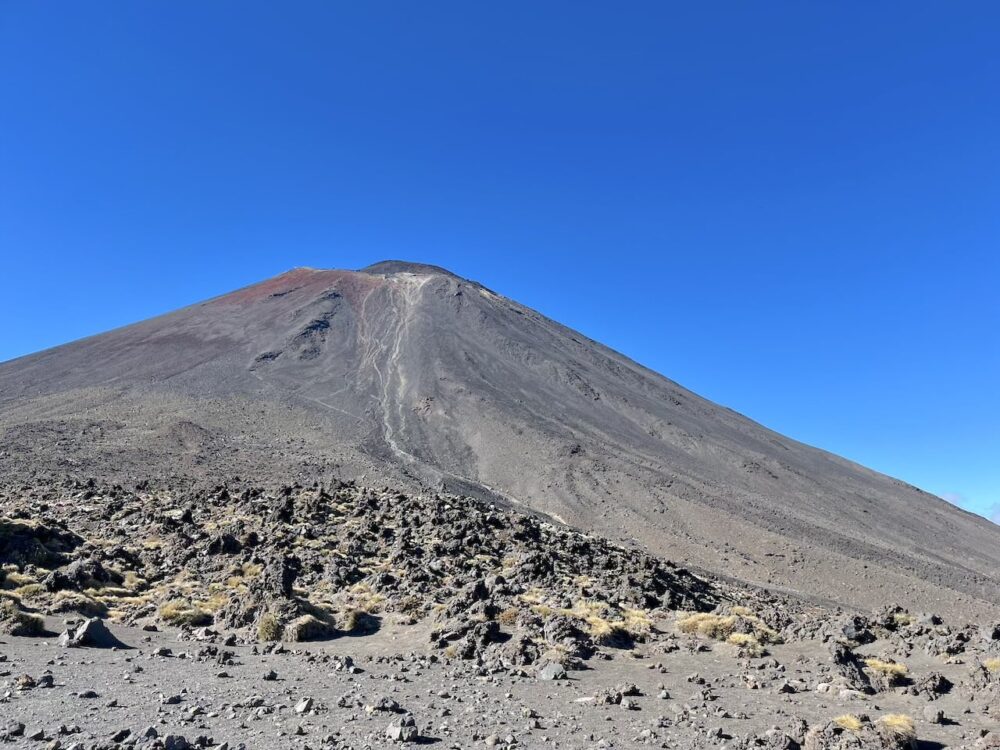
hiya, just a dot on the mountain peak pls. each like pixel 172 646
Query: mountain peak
pixel 389 267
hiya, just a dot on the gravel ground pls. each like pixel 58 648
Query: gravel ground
pixel 348 692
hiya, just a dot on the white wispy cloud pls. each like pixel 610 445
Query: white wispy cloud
pixel 955 498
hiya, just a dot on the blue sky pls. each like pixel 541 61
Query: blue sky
pixel 791 208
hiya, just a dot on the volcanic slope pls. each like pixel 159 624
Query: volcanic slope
pixel 408 375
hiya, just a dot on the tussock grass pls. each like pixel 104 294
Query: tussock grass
pixel 30 591
pixel 637 622
pixel 740 628
pixel 899 726
pixel 134 582
pixel 992 665
pixel 717 627
pixel 179 612
pixel 747 644
pixel 71 601
pixel 13 580
pixel 891 668
pixel 902 619
pixel 849 722
pixel 509 616
pixel 269 628
pixel 557 653
pixel 15 622
pixel 306 628
pixel 533 595
pixel 603 622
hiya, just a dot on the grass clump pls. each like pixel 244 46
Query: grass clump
pixel 15 622
pixel 181 612
pixel 30 591
pixel 899 726
pixel 305 628
pixel 637 622
pixel 604 623
pixel 740 627
pixel 889 668
pixel 848 722
pixel 14 580
pixel 992 665
pixel 717 627
pixel 509 616
pixel 747 644
pixel 72 601
pixel 269 628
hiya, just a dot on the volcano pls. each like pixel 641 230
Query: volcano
pixel 408 375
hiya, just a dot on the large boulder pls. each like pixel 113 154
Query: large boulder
pixel 92 633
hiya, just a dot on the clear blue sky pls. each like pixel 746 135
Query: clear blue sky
pixel 792 208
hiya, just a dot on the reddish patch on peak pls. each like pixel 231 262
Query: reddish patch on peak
pixel 350 284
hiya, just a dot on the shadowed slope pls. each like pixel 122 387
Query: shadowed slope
pixel 409 372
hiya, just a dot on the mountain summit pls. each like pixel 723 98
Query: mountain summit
pixel 407 372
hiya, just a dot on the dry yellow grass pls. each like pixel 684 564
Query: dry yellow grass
pixel 306 628
pixel 718 627
pixel 746 643
pixel 71 601
pixel 603 623
pixel 15 622
pixel 721 627
pixel 992 665
pixel 30 591
pixel 637 622
pixel 180 612
pixel 509 616
pixel 14 580
pixel 899 725
pixel 886 667
pixel 133 582
pixel 850 722
pixel 269 628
